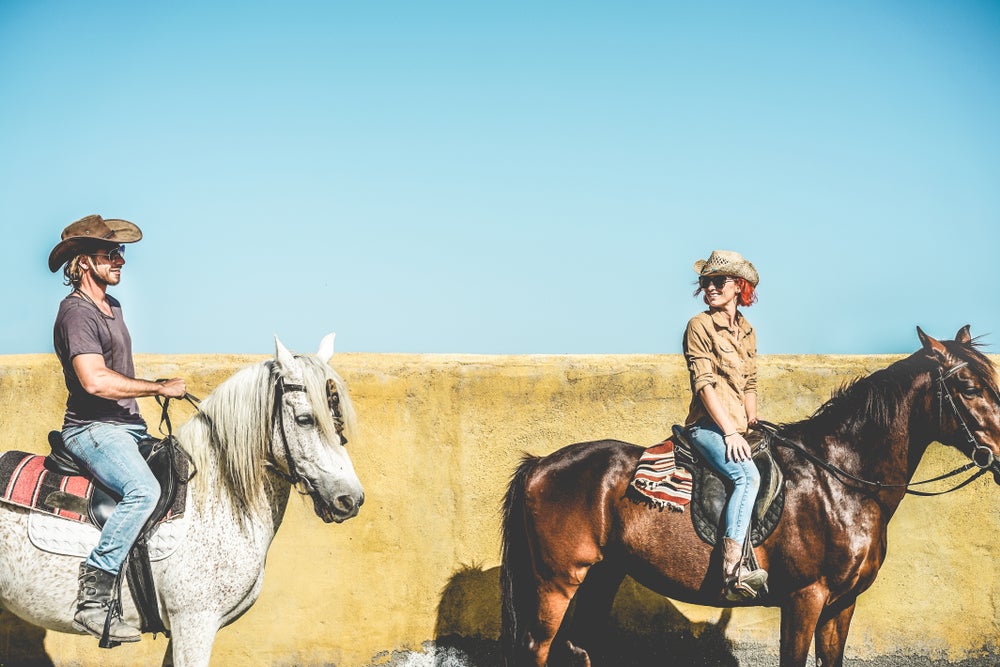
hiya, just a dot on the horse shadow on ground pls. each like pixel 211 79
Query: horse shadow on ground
pixel 21 643
pixel 645 628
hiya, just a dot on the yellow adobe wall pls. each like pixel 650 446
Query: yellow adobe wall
pixel 438 438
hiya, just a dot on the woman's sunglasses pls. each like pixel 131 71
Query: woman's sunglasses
pixel 113 254
pixel 716 281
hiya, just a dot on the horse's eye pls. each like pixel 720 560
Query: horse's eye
pixel 305 420
pixel 968 389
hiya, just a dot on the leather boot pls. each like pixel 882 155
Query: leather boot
pixel 740 582
pixel 97 589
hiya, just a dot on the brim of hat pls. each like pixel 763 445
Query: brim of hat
pixel 122 231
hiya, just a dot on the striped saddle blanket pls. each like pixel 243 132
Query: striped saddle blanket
pixel 26 482
pixel 659 480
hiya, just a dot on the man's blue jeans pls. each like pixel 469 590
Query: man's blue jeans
pixel 708 440
pixel 111 453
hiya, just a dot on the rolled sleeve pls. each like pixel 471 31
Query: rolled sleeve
pixel 698 352
pixel 751 364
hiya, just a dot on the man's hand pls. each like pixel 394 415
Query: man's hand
pixel 172 388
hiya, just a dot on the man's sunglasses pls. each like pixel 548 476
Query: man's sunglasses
pixel 717 281
pixel 113 254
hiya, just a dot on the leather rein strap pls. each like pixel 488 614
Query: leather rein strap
pixel 984 463
pixel 280 389
pixel 164 403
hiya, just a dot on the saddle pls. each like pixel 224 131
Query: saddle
pixel 168 463
pixel 710 490
pixel 161 457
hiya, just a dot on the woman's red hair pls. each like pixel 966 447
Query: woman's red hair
pixel 747 294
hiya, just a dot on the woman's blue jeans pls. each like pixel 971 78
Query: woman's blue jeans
pixel 111 453
pixel 708 440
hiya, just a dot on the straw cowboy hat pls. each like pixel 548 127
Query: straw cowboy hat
pixel 91 233
pixel 727 263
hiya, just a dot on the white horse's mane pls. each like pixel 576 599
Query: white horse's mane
pixel 232 430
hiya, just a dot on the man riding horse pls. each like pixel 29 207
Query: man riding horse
pixel 103 426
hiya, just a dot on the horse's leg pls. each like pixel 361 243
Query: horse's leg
pixel 191 639
pixel 554 597
pixel 831 634
pixel 589 625
pixel 799 616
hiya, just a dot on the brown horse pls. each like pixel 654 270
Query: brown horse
pixel 570 531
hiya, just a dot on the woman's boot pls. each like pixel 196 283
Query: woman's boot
pixel 740 582
pixel 95 597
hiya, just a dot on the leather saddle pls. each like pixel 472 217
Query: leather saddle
pixel 710 490
pixel 161 457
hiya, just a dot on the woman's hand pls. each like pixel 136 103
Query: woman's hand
pixel 737 448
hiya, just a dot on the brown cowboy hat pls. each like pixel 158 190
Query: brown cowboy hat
pixel 727 263
pixel 91 233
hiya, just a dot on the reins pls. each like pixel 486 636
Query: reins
pixel 164 403
pixel 281 387
pixel 943 395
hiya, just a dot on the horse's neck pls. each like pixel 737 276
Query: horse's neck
pixel 211 493
pixel 888 455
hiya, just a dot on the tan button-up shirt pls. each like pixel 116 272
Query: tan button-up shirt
pixel 724 358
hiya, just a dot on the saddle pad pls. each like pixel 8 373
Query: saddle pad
pixel 25 482
pixel 71 538
pixel 659 480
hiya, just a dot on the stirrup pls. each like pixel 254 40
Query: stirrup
pixel 750 587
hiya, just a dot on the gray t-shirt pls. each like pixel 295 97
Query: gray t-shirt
pixel 81 328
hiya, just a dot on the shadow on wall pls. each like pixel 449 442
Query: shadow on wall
pixel 644 627
pixel 21 643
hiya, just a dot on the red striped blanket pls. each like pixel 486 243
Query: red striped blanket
pixel 660 480
pixel 25 482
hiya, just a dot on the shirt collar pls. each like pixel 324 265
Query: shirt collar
pixel 721 321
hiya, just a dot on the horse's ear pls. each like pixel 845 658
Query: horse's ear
pixel 325 350
pixel 282 355
pixel 963 335
pixel 930 344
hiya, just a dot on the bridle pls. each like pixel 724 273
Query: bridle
pixel 982 457
pixel 278 423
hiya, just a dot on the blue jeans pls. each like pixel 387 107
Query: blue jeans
pixel 708 440
pixel 111 453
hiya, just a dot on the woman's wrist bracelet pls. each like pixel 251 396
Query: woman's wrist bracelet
pixel 728 434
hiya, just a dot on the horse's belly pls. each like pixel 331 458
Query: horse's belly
pixel 665 553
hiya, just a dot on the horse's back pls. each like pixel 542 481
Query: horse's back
pixel 582 472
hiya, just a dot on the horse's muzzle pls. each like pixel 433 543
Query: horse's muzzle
pixel 342 508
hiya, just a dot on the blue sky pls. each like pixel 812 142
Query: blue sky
pixel 506 178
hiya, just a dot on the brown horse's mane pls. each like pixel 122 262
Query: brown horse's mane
pixel 872 402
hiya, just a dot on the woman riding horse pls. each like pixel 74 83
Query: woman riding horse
pixel 720 347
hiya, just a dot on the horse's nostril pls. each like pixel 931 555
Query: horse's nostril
pixel 344 504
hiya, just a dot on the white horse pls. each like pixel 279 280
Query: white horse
pixel 248 455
